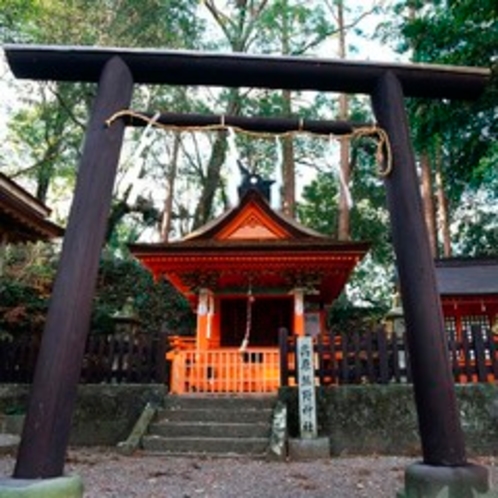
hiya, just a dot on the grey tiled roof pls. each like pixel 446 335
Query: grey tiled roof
pixel 467 276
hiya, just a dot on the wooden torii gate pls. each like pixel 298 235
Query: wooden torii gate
pixel 46 431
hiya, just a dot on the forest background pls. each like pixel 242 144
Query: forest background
pixel 173 181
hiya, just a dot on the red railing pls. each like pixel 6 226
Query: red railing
pixel 226 370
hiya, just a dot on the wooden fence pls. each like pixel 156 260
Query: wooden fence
pixel 376 358
pixel 356 358
pixel 119 358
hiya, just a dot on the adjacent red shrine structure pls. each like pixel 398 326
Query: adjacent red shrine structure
pixel 248 273
pixel 469 293
pixel 23 218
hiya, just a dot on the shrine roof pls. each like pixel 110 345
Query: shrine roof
pixel 252 226
pixel 22 216
pixel 467 276
pixel 253 246
pixel 213 228
pixel 253 239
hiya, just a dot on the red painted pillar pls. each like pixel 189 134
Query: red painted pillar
pixel 46 430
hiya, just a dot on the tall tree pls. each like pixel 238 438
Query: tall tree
pixel 344 230
pixel 286 27
pixel 461 135
pixel 50 131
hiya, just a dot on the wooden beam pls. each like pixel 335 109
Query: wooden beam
pixel 439 424
pixel 171 67
pixel 46 430
pixel 251 124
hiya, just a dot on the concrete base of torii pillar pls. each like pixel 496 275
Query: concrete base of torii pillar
pixel 430 481
pixel 57 487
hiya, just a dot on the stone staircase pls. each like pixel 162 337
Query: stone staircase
pixel 10 432
pixel 212 425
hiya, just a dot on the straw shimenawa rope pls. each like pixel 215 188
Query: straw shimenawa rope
pixel 383 154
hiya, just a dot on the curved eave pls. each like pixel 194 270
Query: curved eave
pixel 230 269
pixel 22 226
pixel 207 248
pixel 245 262
pixel 26 232
pixel 22 217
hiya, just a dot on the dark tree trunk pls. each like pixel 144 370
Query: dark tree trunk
pixel 168 203
pixel 212 182
pixel 428 201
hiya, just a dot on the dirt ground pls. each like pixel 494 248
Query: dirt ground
pixel 107 474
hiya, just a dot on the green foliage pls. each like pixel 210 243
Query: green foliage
pixel 347 318
pixel 370 283
pixel 475 229
pixel 15 17
pixel 318 210
pixel 291 27
pixel 49 133
pixel 24 301
pixel 147 23
pixel 25 288
pixel 22 309
pixel 157 304
pixel 461 136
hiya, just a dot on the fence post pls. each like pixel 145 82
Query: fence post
pixel 318 344
pixel 493 353
pixel 283 346
pixel 162 375
pixel 383 356
pixel 479 351
pixel 467 367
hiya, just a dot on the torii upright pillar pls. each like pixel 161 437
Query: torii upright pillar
pixel 53 393
pixel 443 447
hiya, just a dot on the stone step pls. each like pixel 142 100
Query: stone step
pixel 9 443
pixel 222 425
pixel 215 415
pixel 206 446
pixel 11 424
pixel 220 402
pixel 210 429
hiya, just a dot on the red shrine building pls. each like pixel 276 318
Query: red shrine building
pixel 248 274
pixel 254 271
pixel 469 294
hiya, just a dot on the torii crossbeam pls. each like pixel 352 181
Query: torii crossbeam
pixel 46 431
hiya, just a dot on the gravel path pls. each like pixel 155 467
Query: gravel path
pixel 107 474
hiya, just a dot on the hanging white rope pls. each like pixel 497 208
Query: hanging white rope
pixel 276 188
pixel 234 178
pixel 247 335
pixel 340 174
pixel 144 141
pixel 145 137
